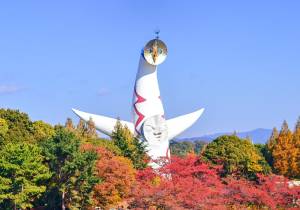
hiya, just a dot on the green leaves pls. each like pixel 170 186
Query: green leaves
pixel 22 174
pixel 130 146
pixel 237 155
pixel 3 127
pixel 73 178
pixel 186 147
pixel 19 126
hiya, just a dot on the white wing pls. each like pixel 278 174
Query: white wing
pixel 103 124
pixel 179 124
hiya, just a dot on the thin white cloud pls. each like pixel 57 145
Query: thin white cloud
pixel 103 91
pixel 8 89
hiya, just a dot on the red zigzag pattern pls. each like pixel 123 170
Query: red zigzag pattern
pixel 140 99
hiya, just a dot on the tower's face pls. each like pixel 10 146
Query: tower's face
pixel 155 52
pixel 155 130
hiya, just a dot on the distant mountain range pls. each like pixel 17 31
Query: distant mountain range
pixel 260 135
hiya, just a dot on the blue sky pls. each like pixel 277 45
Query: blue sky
pixel 238 59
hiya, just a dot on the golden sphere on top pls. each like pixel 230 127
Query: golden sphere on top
pixel 155 52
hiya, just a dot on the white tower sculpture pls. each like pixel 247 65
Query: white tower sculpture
pixel 149 122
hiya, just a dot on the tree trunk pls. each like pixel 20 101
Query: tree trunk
pixel 63 207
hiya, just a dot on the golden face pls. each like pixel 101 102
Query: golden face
pixel 155 52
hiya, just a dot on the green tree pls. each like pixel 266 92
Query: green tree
pixel 181 148
pixel 199 146
pixel 3 129
pixel 239 157
pixel 42 130
pixel 22 175
pixel 186 147
pixel 264 153
pixel 130 146
pixel 139 158
pixel 73 169
pixel 20 128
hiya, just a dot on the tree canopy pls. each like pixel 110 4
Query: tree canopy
pixel 285 150
pixel 186 147
pixel 238 156
pixel 130 146
pixel 73 176
pixel 71 167
pixel 23 175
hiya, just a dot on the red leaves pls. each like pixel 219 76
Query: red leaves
pixel 186 183
pixel 190 183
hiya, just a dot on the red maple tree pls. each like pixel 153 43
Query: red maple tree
pixel 191 183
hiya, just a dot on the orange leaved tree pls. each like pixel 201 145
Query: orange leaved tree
pixel 117 177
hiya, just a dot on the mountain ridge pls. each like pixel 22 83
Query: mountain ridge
pixel 258 136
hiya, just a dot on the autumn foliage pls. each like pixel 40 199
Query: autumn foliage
pixel 285 151
pixel 117 175
pixel 78 170
pixel 190 183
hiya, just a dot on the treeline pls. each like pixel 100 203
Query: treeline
pixel 183 148
pixel 62 167
pixel 283 151
pixel 70 167
pixel 280 155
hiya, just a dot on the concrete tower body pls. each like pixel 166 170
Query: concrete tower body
pixel 149 122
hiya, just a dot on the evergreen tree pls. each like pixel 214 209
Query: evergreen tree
pixel 273 138
pixel 130 146
pixel 22 175
pixel 181 148
pixel 269 146
pixel 73 176
pixel 3 127
pixel 139 156
pixel 199 146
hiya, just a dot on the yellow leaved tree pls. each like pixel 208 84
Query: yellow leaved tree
pixel 285 153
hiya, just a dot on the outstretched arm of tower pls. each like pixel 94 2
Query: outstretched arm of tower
pixel 179 124
pixel 104 124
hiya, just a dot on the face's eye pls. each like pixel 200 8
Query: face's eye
pixel 148 128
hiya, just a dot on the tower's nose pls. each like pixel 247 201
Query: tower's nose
pixel 155 52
